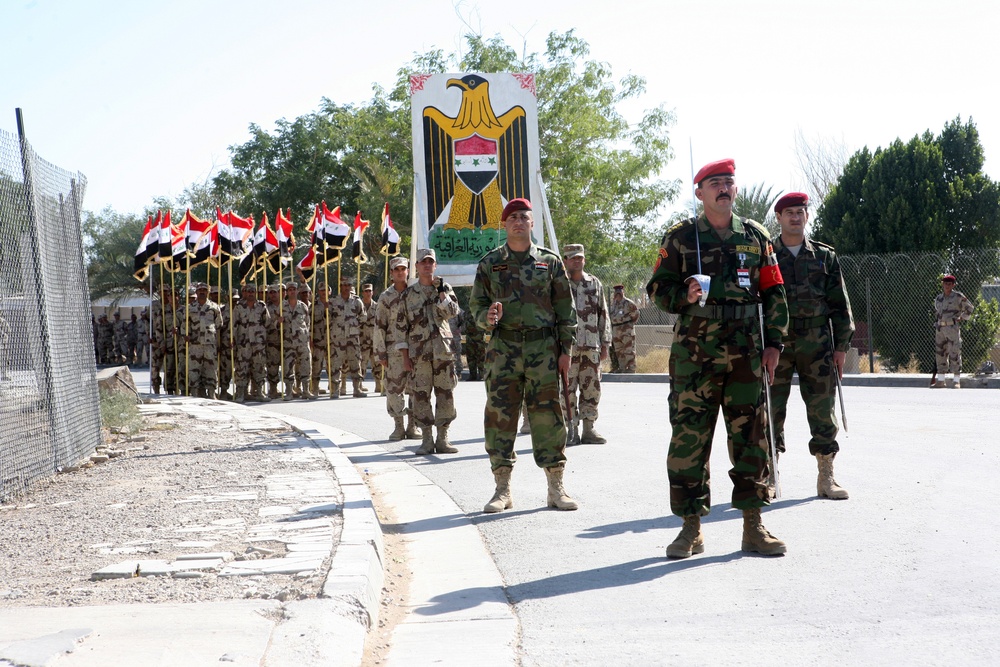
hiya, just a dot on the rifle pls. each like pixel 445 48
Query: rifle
pixel 770 417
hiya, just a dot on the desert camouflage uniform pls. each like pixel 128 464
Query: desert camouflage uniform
pixel 715 358
pixel 272 347
pixel 298 359
pixel 204 321
pixel 397 379
pixel 131 338
pixel 366 326
pixel 120 341
pixel 142 339
pixel 538 324
pixel 106 340
pixel 321 334
pixel 593 332
pixel 475 346
pixel 624 315
pixel 949 313
pixel 250 327
pixel 164 345
pixel 456 342
pixel 422 327
pixel 345 337
pixel 227 353
pixel 814 288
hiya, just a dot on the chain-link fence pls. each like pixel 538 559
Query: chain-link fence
pixel 892 300
pixel 49 408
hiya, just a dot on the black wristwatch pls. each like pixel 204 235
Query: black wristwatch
pixel 780 347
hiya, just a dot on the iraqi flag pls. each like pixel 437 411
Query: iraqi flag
pixel 250 261
pixel 390 237
pixel 178 247
pixel 272 249
pixel 165 236
pixel 234 232
pixel 286 240
pixel 307 265
pixel 142 256
pixel 358 246
pixel 199 239
pixel 476 162
pixel 335 232
pixel 316 227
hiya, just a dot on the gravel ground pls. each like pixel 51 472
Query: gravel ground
pixel 183 475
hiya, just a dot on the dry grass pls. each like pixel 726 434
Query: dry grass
pixel 655 361
pixel 865 367
pixel 913 366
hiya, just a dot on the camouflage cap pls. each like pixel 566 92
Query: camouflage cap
pixel 397 261
pixel 367 287
pixel 292 286
pixel 249 287
pixel 424 253
pixel 198 286
pixel 344 280
pixel 274 288
pixel 573 250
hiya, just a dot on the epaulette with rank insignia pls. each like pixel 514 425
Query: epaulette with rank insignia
pixel 824 246
pixel 759 227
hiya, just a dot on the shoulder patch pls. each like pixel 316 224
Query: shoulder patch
pixel 499 267
pixel 680 224
pixel 542 266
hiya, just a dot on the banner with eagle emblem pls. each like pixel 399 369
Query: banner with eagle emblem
pixel 475 147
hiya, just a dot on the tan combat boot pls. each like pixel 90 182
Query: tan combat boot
pixel 412 432
pixel 359 391
pixel 427 446
pixel 241 394
pixel 156 386
pixel 590 436
pixel 304 390
pixel 343 385
pixel 756 538
pixel 442 445
pixel 526 426
pixel 690 541
pixel 826 485
pixel 558 497
pixel 940 384
pixel 272 391
pixel 399 431
pixel 501 499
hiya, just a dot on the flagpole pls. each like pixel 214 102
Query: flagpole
pixel 145 343
pixel 232 316
pixel 187 331
pixel 326 325
pixel 177 365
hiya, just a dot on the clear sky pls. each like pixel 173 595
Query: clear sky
pixel 144 97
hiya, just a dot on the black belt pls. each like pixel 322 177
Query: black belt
pixel 621 324
pixel 526 335
pixel 724 311
pixel 798 323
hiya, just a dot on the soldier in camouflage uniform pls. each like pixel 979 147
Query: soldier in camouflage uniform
pixel 426 342
pixel 475 346
pixel 250 321
pixel 322 340
pixel 624 315
pixel 522 295
pixel 817 305
pixel 163 343
pixel 366 326
pixel 397 378
pixel 272 346
pixel 298 360
pixel 345 340
pixel 951 308
pixel 593 338
pixel 717 354
pixel 142 339
pixel 119 345
pixel 106 340
pixel 204 323
pixel 226 341
pixel 131 338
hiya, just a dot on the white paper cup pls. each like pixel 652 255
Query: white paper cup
pixel 704 282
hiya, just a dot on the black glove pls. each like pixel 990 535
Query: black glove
pixel 441 286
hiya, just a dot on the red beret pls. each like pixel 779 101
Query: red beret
pixel 949 277
pixel 515 205
pixel 725 167
pixel 791 199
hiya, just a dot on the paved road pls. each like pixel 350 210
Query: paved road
pixel 904 572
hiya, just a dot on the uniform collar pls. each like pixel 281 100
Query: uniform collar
pixel 735 223
pixel 806 244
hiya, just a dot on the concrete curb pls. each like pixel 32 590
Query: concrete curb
pixel 855 380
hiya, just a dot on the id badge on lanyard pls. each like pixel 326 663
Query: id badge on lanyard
pixel 742 272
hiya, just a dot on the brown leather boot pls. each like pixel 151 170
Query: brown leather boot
pixel 558 497
pixel 501 499
pixel 826 485
pixel 690 541
pixel 756 538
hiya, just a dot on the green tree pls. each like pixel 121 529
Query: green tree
pixel 757 203
pixel 927 196
pixel 110 240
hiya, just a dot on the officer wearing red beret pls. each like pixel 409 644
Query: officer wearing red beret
pixel 951 308
pixel 717 354
pixel 820 329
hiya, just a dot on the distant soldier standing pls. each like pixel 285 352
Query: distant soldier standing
pixel 522 295
pixel 272 346
pixel 106 336
pixel 142 339
pixel 624 315
pixel 817 301
pixel 593 338
pixel 204 323
pixel 298 359
pixel 426 342
pixel 475 346
pixel 717 356
pixel 397 378
pixel 131 338
pixel 226 341
pixel 163 344
pixel 250 321
pixel 119 340
pixel 951 308
pixel 321 338
pixel 345 329
pixel 366 326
